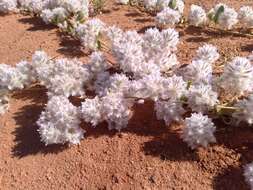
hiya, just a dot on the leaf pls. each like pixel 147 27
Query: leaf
pixel 218 13
pixel 99 45
pixel 173 4
pixel 210 16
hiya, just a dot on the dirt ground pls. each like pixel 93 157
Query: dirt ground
pixel 146 155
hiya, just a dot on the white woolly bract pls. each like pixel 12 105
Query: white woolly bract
pixel 150 4
pixel 201 98
pixel 89 33
pixel 207 53
pixel 156 43
pixel 11 78
pixel 245 15
pixel 7 5
pixel 142 55
pixel 198 72
pixel 27 71
pixel 42 66
pixel 62 76
pixel 114 34
pixel 228 18
pixel 173 88
pixel 59 123
pixel 4 100
pixel 56 15
pixel 91 111
pixel 237 77
pixel 33 6
pixel 179 6
pixel 197 16
pixel 169 111
pixel 199 131
pixel 116 110
pixel 98 63
pixel 167 16
pixel 149 87
pixel 244 110
pixel 68 78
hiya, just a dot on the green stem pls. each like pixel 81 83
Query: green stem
pixel 225 110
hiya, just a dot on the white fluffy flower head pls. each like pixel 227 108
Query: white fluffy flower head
pixel 197 16
pixel 244 110
pixel 238 76
pixel 169 111
pixel 202 98
pixel 207 53
pixel 167 16
pixel 7 5
pixel 198 72
pixel 245 15
pixel 199 131
pixel 59 123
pixel 228 18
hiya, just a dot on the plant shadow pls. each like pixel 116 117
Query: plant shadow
pixel 240 140
pixel 210 32
pixel 36 24
pixel 27 140
pixel 230 179
pixel 247 48
pixel 70 47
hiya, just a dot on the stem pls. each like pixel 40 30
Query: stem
pixel 225 110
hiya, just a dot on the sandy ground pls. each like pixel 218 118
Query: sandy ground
pixel 147 155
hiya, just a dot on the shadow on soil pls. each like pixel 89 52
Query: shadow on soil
pixel 27 140
pixel 240 140
pixel 36 24
pixel 70 47
pixel 230 178
pixel 247 48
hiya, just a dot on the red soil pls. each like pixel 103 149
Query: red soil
pixel 146 155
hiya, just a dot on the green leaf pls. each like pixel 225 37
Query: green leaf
pixel 210 16
pixel 173 4
pixel 218 13
pixel 189 83
pixel 99 45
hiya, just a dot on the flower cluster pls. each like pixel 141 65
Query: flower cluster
pixel 238 76
pixel 245 15
pixel 60 121
pixel 145 68
pixel 168 16
pixel 244 110
pixel 158 5
pixel 8 5
pixel 142 71
pixel 199 130
pixel 89 33
pixel 197 16
pixel 67 15
pixel 169 12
